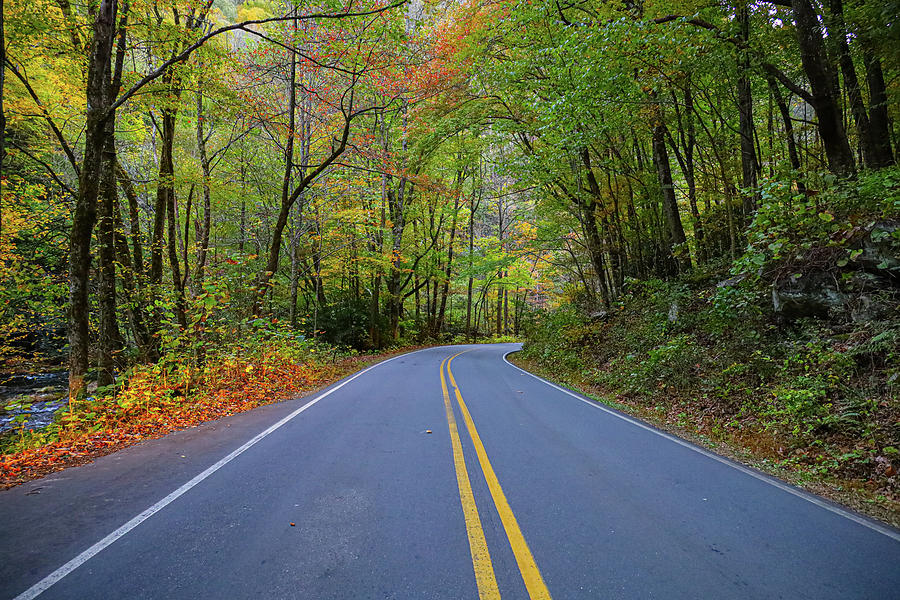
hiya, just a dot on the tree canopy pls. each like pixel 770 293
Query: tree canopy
pixel 179 176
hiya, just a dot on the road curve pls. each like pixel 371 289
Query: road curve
pixel 444 473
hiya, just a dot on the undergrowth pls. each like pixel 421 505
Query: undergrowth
pixel 268 364
pixel 819 395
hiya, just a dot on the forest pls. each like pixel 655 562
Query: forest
pixel 692 208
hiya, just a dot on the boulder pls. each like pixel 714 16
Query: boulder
pixel 815 294
pixel 879 250
pixel 733 281
pixel 673 312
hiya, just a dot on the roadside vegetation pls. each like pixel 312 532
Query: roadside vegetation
pixel 802 381
pixel 149 401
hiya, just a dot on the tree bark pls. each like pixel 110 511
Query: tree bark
pixel 397 202
pixel 448 270
pixel 165 191
pixel 84 214
pixel 110 338
pixel 132 304
pixel 688 136
pixel 243 223
pixel 203 241
pixel 177 282
pixel 137 258
pixel 472 209
pixel 793 156
pixel 375 313
pixel 869 145
pixel 594 246
pixel 674 231
pixel 745 121
pixel 2 111
pixel 825 96
pixel 594 240
pixel 879 123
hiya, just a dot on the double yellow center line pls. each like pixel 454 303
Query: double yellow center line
pixel 485 578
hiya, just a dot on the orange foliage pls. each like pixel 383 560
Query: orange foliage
pixel 153 409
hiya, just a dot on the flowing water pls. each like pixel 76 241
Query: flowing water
pixel 36 396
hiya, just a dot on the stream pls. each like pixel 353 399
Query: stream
pixel 39 396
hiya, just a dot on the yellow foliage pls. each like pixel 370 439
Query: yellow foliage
pixel 248 12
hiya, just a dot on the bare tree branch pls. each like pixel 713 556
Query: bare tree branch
pixel 46 114
pixel 766 66
pixel 47 168
pixel 159 71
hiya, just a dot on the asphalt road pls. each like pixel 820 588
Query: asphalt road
pixel 376 489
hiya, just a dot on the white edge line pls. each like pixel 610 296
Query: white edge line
pixel 45 583
pixel 865 522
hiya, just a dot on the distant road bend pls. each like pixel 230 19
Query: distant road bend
pixel 445 473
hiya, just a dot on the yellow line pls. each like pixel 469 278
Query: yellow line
pixel 481 557
pixel 531 575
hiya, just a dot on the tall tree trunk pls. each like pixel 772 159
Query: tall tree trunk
pixel 134 222
pixel 84 214
pixel 132 301
pixel 186 281
pixel 785 112
pixel 295 283
pixel 243 223
pixel 826 97
pixel 376 245
pixel 375 313
pixel 433 304
pixel 689 142
pixel 397 202
pixel 595 247
pixel 2 111
pixel 469 290
pixel 448 270
pixel 321 299
pixel 505 307
pixel 164 187
pixel 745 112
pixel 203 241
pixel 500 283
pixel 594 240
pixel 879 125
pixel 867 141
pixel 110 338
pixel 177 282
pixel 132 260
pixel 418 300
pixel 674 230
pixel 165 191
